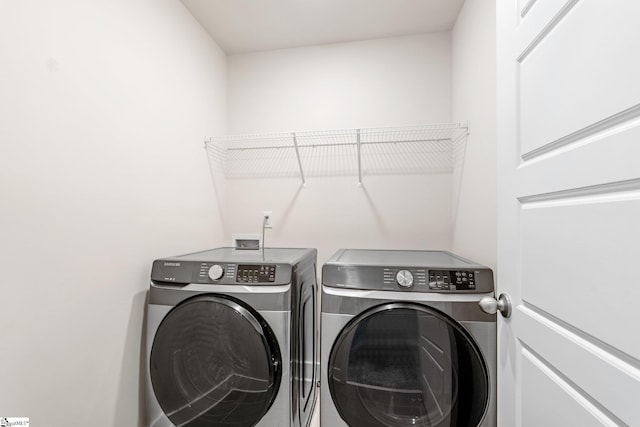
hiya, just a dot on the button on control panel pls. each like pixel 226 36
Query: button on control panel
pixel 452 280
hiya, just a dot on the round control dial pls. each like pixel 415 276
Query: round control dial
pixel 404 278
pixel 216 272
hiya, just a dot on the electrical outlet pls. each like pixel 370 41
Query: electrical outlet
pixel 267 219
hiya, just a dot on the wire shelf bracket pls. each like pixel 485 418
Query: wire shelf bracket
pixel 295 143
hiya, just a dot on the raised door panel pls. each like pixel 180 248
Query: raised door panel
pixel 562 405
pixel 577 71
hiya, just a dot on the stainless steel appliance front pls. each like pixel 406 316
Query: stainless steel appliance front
pixel 231 339
pixel 402 352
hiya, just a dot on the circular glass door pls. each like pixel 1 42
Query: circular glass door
pixel 214 361
pixel 404 364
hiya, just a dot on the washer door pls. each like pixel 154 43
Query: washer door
pixel 404 364
pixel 214 361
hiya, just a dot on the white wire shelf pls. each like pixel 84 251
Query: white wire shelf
pixel 435 148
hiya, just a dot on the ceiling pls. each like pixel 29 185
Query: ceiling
pixel 240 26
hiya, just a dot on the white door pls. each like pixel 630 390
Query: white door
pixel 569 212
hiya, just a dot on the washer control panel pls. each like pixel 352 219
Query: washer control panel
pixel 263 273
pixel 216 271
pixel 238 273
pixel 182 273
pixel 211 272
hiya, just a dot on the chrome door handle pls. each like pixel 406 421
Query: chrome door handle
pixel 491 305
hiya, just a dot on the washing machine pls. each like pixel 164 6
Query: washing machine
pixel 231 338
pixel 404 341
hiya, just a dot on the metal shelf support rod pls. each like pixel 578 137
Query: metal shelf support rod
pixel 295 144
pixel 339 144
pixel 359 160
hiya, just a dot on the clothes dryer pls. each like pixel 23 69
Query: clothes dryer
pixel 231 339
pixel 404 341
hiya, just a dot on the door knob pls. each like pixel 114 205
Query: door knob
pixel 491 305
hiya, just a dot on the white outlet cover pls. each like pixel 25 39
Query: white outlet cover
pixel 269 222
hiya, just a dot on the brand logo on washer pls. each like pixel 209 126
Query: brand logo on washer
pixel 11 422
pixel 172 264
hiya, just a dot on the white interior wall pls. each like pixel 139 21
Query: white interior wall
pixel 394 81
pixel 104 108
pixel 474 99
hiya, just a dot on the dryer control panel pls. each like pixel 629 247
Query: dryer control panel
pixel 452 280
pixel 406 271
pixel 409 279
pixel 405 278
pixel 437 280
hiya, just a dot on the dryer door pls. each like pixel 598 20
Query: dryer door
pixel 403 364
pixel 214 361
